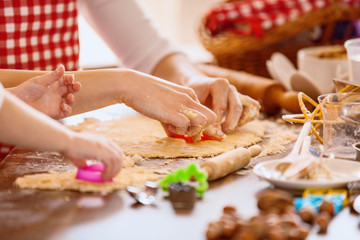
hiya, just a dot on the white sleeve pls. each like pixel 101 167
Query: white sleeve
pixel 127 31
pixel 1 95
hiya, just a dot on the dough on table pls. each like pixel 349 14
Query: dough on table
pixel 136 176
pixel 146 137
pixel 141 137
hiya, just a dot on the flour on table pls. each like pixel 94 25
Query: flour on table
pixel 279 136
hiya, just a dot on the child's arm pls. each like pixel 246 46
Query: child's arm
pixel 25 127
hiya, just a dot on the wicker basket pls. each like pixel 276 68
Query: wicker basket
pixel 250 53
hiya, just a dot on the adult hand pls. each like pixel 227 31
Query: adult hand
pixel 218 94
pixel 232 108
pixel 251 109
pixel 51 93
pixel 175 106
pixel 85 146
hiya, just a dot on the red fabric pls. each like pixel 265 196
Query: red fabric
pixel 38 34
pixel 253 17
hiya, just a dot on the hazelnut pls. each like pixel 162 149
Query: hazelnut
pixel 327 206
pixel 276 233
pixel 269 199
pixel 307 214
pixel 229 227
pixel 214 231
pixel 323 220
pixel 304 230
pixel 229 209
pixel 245 234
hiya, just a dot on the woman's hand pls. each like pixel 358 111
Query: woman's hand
pixel 251 109
pixel 232 108
pixel 85 146
pixel 175 106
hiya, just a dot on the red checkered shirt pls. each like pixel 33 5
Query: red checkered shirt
pixel 39 34
pixel 253 17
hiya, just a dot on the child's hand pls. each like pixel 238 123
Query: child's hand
pixel 84 146
pixel 51 93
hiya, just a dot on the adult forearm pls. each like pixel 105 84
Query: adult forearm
pixel 176 68
pixel 100 88
pixel 11 78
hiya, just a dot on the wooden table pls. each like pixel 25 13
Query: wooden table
pixel 66 215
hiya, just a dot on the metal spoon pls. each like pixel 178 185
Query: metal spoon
pixel 144 196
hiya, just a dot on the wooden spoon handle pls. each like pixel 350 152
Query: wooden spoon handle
pixel 270 93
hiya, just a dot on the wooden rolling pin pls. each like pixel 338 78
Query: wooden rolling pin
pixel 271 94
pixel 228 162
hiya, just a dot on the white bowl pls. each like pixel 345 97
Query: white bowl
pixel 321 70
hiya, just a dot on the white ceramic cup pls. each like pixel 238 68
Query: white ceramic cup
pixel 353 52
pixel 321 70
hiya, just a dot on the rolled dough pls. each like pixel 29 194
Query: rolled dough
pixel 136 176
pixel 146 137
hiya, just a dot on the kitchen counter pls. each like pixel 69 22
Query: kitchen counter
pixel 67 215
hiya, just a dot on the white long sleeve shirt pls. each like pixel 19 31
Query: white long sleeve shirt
pixel 127 31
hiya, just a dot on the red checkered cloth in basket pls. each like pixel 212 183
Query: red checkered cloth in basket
pixel 38 34
pixel 253 17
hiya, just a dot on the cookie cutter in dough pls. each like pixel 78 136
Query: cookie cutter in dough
pixel 92 173
pixel 189 139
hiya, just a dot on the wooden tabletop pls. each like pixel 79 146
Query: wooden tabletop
pixel 68 215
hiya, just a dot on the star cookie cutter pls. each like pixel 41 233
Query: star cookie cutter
pixel 316 116
pixel 187 174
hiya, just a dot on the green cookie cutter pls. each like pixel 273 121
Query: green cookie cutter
pixel 184 175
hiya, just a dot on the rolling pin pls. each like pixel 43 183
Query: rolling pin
pixel 229 162
pixel 271 94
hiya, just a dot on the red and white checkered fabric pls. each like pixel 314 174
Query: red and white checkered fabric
pixel 38 34
pixel 253 17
